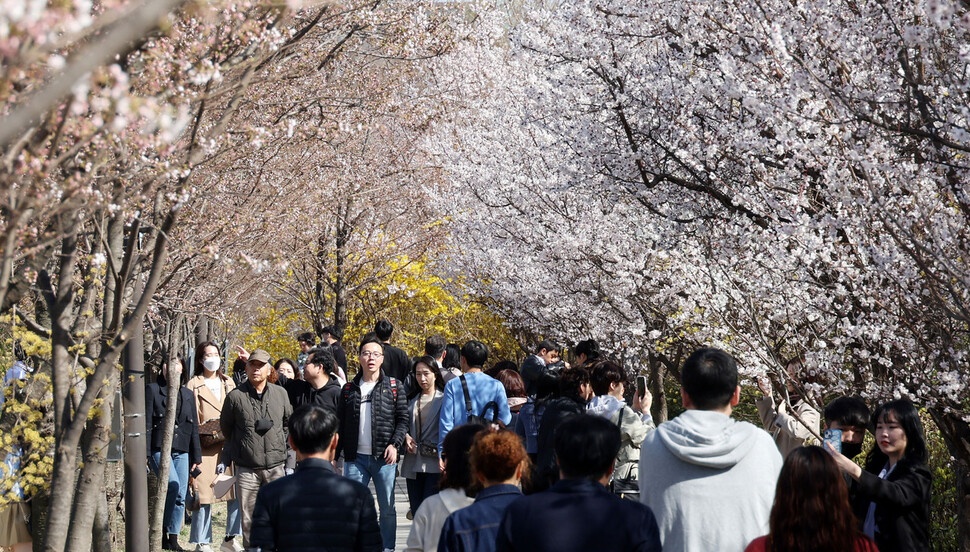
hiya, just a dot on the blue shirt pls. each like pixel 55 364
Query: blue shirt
pixel 475 528
pixel 482 389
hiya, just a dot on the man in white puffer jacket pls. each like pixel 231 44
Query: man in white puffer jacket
pixel 709 478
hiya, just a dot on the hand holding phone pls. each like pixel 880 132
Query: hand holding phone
pixel 834 438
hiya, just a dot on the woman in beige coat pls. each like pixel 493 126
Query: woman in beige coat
pixel 210 385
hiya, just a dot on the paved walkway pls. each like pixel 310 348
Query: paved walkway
pixel 401 506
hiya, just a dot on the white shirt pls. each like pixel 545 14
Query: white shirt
pixel 365 445
pixel 215 385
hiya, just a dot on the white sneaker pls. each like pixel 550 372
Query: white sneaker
pixel 203 547
pixel 231 546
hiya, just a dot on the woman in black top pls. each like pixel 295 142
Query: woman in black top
pixel 186 448
pixel 891 497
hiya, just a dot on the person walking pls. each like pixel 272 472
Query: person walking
pixel 498 461
pixel 892 494
pixel 420 465
pixel 578 513
pixel 210 385
pixel 811 510
pixel 373 415
pixel 254 418
pixel 186 451
pixel 457 490
pixel 314 508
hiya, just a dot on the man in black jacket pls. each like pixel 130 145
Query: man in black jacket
pixel 319 386
pixel 314 505
pixel 578 513
pixel 373 422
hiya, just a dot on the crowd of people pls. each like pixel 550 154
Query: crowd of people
pixel 542 456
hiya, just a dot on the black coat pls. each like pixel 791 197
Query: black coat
pixel 546 471
pixel 302 393
pixel 396 364
pixel 315 509
pixel 186 438
pixel 389 415
pixel 902 506
pixel 339 355
pixel 578 515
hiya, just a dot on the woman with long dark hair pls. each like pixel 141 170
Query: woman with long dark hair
pixel 892 495
pixel 811 511
pixel 210 386
pixel 186 452
pixel 420 465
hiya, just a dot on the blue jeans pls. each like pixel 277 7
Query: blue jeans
pixel 178 485
pixel 201 532
pixel 365 468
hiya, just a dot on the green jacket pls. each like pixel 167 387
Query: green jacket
pixel 242 409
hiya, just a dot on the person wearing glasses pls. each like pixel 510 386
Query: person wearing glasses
pixel 374 420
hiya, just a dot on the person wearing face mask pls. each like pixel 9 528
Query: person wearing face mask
pixel 211 385
pixel 851 416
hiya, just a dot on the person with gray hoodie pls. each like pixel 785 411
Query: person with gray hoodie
pixel 709 478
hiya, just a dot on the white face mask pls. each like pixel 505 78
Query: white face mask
pixel 212 363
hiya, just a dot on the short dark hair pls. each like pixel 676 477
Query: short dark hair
pixel 334 331
pixel 709 377
pixel 586 446
pixel 308 338
pixel 383 329
pixel 571 380
pixel 475 353
pixel 290 361
pixel 312 427
pixel 603 373
pixel 590 348
pixel 548 345
pixel 848 412
pixel 369 337
pixel 322 355
pixel 435 345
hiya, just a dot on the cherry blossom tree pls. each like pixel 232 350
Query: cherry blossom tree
pixel 784 181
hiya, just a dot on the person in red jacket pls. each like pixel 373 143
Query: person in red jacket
pixel 811 509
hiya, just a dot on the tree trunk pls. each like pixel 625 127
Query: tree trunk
pixel 90 487
pixel 201 331
pixel 655 382
pixel 173 380
pixel 136 467
pixel 956 435
pixel 65 450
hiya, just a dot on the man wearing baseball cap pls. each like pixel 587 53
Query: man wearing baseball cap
pixel 254 420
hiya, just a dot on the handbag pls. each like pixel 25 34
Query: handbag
pixel 425 448
pixel 210 433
